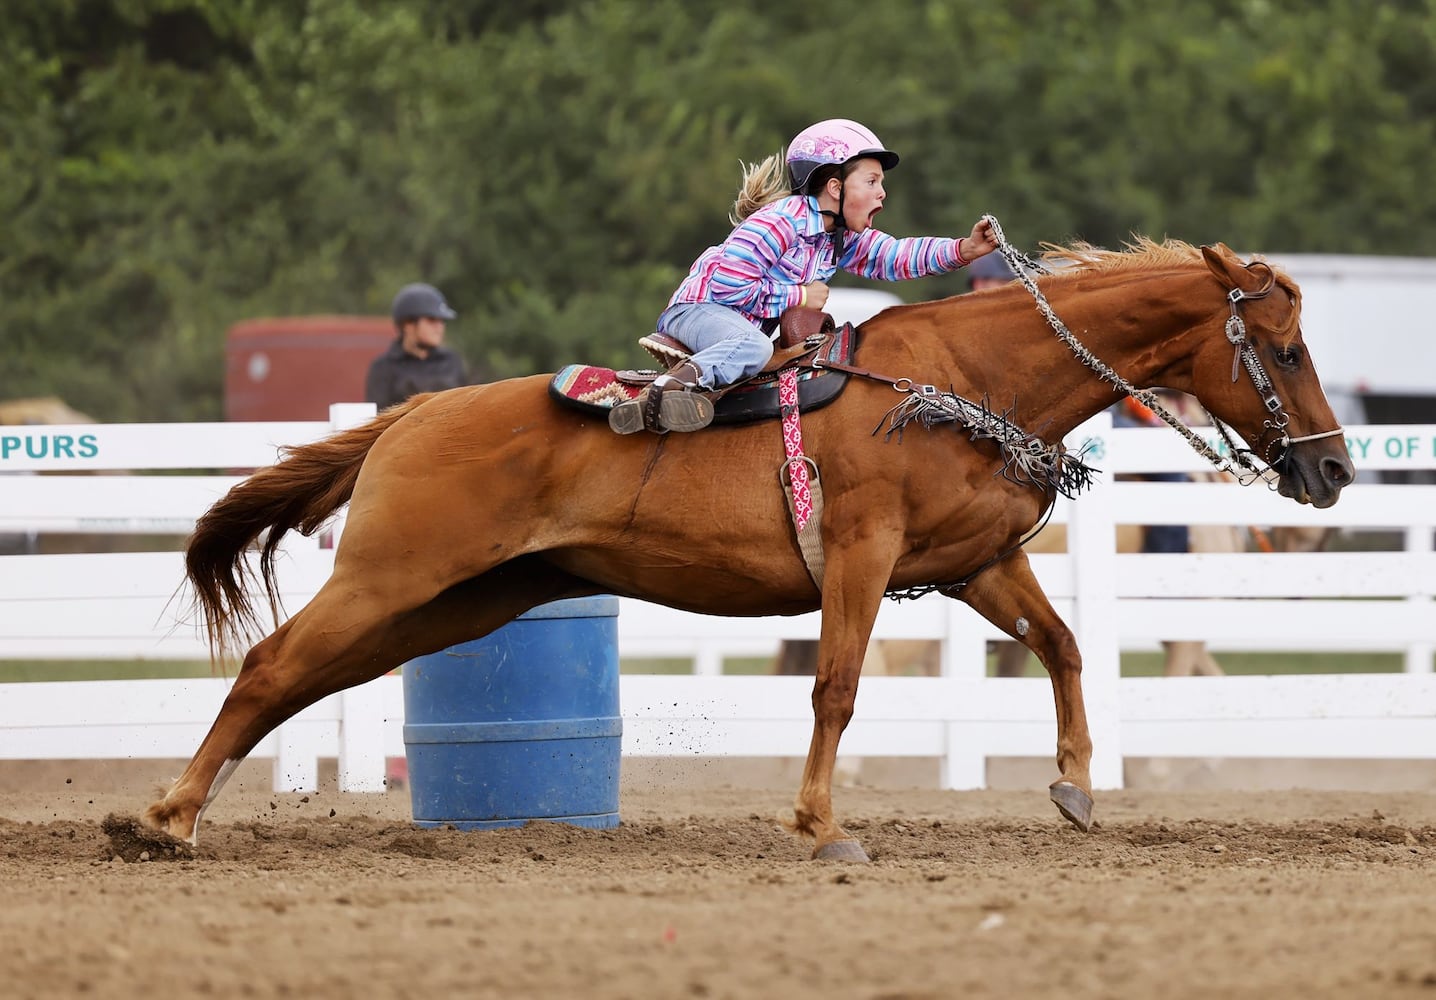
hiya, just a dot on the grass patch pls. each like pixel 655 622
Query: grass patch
pixel 26 671
pixel 1252 664
pixel 1238 664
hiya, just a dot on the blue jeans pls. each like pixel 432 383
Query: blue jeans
pixel 726 346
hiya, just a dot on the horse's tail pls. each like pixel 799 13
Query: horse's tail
pixel 309 483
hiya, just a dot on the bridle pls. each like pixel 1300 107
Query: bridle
pixel 1244 356
pixel 1240 462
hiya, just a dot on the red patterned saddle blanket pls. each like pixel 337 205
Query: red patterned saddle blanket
pixel 597 390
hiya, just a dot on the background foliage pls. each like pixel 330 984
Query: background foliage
pixel 169 167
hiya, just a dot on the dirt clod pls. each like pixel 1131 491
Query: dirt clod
pixel 132 840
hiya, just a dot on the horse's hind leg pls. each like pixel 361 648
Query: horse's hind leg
pixel 339 640
pixel 264 694
pixel 1005 592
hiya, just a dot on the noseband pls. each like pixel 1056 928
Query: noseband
pixel 1239 461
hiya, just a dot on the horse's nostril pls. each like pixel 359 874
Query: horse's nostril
pixel 1336 472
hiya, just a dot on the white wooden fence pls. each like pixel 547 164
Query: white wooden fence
pixel 130 606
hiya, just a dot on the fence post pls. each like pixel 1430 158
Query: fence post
pixel 361 709
pixel 296 764
pixel 964 645
pixel 1092 547
pixel 1418 654
pixel 708 659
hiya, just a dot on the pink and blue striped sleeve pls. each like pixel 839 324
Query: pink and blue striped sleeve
pixel 888 258
pixel 742 277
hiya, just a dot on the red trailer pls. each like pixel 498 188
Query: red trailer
pixel 293 367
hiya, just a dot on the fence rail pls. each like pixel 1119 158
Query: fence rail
pixel 131 606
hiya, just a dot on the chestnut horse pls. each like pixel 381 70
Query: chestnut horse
pixel 470 506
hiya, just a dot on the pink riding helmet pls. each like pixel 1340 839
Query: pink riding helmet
pixel 836 140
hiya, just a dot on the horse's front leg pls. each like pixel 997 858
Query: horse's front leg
pixel 1008 595
pixel 850 603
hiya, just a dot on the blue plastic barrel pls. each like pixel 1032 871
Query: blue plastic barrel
pixel 523 724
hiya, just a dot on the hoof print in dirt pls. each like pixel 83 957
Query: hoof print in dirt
pixel 133 841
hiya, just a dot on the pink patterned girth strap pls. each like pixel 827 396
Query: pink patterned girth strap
pixel 800 480
pixel 802 492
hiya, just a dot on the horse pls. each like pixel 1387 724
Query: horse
pixel 471 506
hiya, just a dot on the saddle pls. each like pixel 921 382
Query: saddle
pixel 804 335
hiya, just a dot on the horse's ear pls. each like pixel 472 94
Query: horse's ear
pixel 1227 266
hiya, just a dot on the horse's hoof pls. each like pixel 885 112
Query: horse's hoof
pixel 842 850
pixel 1073 803
pixel 165 821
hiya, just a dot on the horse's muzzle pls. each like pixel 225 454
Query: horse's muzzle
pixel 1314 479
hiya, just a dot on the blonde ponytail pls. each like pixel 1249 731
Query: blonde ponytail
pixel 763 184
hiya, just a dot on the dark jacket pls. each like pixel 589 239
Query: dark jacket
pixel 395 375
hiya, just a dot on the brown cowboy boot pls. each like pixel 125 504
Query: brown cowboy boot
pixel 674 402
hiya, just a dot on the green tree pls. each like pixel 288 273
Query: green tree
pixel 169 167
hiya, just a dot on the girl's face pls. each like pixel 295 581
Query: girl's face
pixel 864 194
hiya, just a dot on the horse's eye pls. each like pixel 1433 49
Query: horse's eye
pixel 1288 357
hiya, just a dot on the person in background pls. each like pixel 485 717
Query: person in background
pixel 417 361
pixel 989 272
pixel 1128 412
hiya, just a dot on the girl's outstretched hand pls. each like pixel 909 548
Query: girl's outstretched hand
pixel 980 243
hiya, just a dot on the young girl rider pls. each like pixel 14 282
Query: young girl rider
pixel 797 222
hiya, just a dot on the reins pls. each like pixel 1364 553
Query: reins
pixel 1027 459
pixel 1025 449
pixel 1240 462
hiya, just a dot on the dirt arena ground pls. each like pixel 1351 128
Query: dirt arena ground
pixel 699 893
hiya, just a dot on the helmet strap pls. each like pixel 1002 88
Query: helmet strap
pixel 840 227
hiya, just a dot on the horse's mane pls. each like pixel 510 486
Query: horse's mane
pixel 1143 254
pixel 1146 254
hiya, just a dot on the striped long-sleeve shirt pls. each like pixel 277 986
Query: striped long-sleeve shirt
pixel 761 267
